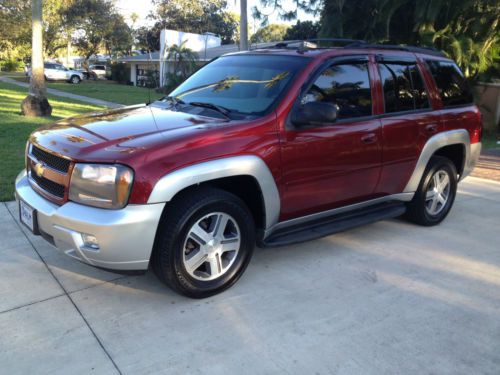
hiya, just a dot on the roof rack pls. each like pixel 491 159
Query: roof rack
pixel 311 44
pixel 395 47
pixel 341 41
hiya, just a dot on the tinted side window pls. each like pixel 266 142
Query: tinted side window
pixel 403 87
pixel 48 66
pixel 348 86
pixel 419 92
pixel 452 86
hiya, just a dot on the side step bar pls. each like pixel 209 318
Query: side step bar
pixel 334 224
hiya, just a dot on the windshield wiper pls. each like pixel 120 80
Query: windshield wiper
pixel 224 111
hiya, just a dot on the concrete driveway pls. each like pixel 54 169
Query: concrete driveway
pixel 388 298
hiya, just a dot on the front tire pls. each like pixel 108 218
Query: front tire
pixel 436 193
pixel 204 243
pixel 75 80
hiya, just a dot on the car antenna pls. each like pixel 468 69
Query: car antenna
pixel 150 45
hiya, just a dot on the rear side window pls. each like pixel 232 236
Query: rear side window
pixel 452 86
pixel 404 89
pixel 346 85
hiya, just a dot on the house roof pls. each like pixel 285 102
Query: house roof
pixel 203 55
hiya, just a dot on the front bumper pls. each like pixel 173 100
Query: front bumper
pixel 125 236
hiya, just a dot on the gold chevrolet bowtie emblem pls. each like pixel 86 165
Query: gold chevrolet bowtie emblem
pixel 39 168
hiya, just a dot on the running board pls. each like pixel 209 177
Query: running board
pixel 333 224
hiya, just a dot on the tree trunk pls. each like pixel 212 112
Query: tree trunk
pixel 243 25
pixel 36 103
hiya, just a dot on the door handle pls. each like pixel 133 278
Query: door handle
pixel 431 128
pixel 369 138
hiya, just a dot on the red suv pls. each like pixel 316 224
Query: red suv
pixel 267 147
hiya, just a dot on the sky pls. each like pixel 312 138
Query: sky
pixel 142 8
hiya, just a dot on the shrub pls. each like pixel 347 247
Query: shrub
pixel 120 73
pixel 11 65
pixel 172 80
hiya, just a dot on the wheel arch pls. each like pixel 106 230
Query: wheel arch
pixel 446 144
pixel 247 177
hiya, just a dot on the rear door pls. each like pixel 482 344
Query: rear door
pixel 458 109
pixel 50 71
pixel 408 120
pixel 333 164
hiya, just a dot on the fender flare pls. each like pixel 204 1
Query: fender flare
pixel 246 165
pixel 447 138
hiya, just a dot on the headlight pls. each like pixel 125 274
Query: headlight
pixel 99 185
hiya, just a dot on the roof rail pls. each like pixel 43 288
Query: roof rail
pixel 308 44
pixel 311 44
pixel 395 47
pixel 342 41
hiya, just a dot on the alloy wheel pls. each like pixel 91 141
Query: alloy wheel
pixel 438 193
pixel 211 246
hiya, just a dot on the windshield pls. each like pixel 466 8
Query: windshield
pixel 248 84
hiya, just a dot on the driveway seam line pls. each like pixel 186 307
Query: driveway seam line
pixel 65 291
pixel 31 303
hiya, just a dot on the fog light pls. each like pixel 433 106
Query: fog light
pixel 90 241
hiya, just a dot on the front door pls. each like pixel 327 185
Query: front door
pixel 333 164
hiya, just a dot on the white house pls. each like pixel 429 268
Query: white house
pixel 207 46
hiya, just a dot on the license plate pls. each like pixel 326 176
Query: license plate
pixel 27 215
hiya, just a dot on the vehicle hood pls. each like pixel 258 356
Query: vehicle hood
pixel 108 135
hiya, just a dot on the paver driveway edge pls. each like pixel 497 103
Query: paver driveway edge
pixel 65 292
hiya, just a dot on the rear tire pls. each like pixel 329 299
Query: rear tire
pixel 436 193
pixel 196 256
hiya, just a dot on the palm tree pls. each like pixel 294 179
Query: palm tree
pixel 243 25
pixel 36 103
pixel 183 59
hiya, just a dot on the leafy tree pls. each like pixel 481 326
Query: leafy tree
pixel 57 31
pixel 270 33
pixel 302 30
pixel 467 30
pixel 97 24
pixel 118 37
pixel 15 33
pixel 91 20
pixel 148 39
pixel 15 29
pixel 195 17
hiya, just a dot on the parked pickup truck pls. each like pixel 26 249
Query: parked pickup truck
pixel 267 147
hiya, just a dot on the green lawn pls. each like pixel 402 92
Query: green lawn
pixel 14 130
pixel 105 90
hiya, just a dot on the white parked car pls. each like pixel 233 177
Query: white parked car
pixel 98 70
pixel 58 72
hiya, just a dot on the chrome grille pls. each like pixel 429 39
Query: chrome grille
pixel 49 174
pixel 49 186
pixel 51 160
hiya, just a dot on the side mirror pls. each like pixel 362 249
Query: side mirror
pixel 314 113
